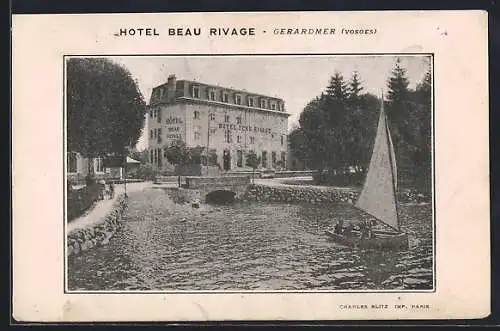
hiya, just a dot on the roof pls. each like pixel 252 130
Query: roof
pixel 131 160
pixel 229 88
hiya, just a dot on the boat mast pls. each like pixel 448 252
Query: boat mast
pixel 394 179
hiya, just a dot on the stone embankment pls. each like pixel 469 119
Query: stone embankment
pixel 83 239
pixel 299 194
pixel 318 194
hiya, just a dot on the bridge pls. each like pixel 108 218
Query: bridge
pixel 221 187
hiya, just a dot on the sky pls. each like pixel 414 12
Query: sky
pixel 295 79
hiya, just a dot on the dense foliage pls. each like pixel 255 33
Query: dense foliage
pixel 337 128
pixel 252 161
pixel 105 108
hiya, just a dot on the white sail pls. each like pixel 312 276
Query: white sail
pixel 378 196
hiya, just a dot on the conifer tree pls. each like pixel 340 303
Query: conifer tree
pixel 355 89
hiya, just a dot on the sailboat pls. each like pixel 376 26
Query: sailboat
pixel 378 198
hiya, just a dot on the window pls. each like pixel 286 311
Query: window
pixel 159 116
pixel 150 134
pixel 273 159
pixel 228 137
pixel 212 131
pixel 159 158
pixel 197 135
pixel 196 115
pixel 252 140
pixel 159 136
pixel 238 139
pixel 283 159
pixel 195 92
pixel 212 95
pixel 151 156
pixel 263 103
pixel 211 117
pixel 282 139
pixel 151 113
pixel 264 159
pixel 72 164
pixel 239 158
pixel 273 106
pixel 238 99
pixel 238 120
pixel 250 102
pixel 156 133
pixel 98 165
pixel 226 118
pixel 225 97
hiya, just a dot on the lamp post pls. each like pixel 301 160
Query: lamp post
pixel 125 171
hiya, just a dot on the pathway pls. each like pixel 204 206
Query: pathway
pixel 102 207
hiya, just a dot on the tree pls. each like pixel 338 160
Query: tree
pixel 422 157
pixel 409 114
pixel 314 133
pixel 299 145
pixel 105 109
pixel 252 161
pixel 212 157
pixel 398 104
pixel 177 154
pixel 354 91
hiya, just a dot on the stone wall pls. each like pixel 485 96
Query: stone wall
pixel 299 194
pixel 99 234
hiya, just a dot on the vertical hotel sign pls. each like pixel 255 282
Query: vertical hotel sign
pixel 174 129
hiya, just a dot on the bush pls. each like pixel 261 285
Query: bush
pixel 146 172
pixel 347 179
pixel 80 200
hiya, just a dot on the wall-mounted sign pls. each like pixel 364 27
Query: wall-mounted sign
pixel 173 120
pixel 246 128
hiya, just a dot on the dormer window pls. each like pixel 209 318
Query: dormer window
pixel 263 103
pixel 211 95
pixel 250 101
pixel 237 99
pixel 225 97
pixel 273 106
pixel 195 91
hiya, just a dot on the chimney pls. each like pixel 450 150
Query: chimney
pixel 171 85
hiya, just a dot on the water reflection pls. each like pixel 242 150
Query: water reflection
pixel 248 246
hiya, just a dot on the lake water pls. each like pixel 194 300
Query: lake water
pixel 248 246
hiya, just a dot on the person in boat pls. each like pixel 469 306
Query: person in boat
pixel 339 227
pixel 348 230
pixel 371 232
pixel 364 230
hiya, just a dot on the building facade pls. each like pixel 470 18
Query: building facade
pixel 223 120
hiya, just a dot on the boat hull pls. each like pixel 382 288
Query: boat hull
pixel 382 241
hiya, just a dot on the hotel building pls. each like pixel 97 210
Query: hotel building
pixel 228 121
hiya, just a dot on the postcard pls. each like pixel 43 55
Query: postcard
pixel 250 166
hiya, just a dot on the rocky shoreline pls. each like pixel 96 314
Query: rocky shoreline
pixel 316 195
pixel 83 239
pixel 299 194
